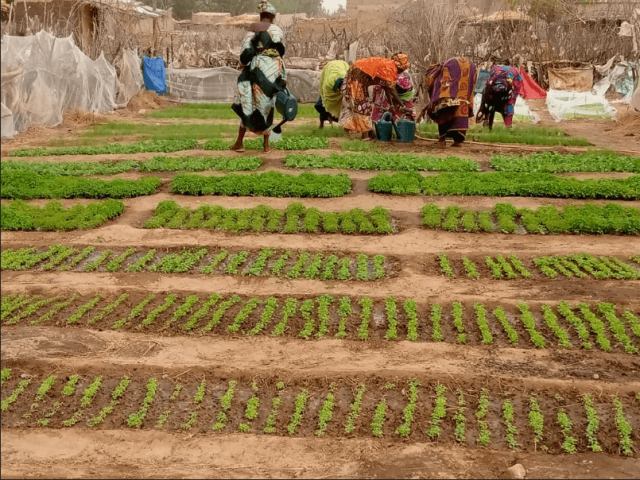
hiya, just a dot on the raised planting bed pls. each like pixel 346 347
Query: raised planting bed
pixel 290 264
pixel 139 147
pixel 611 218
pixel 157 164
pixel 380 161
pixel 296 218
pixel 496 415
pixel 25 185
pixel 510 266
pixel 270 184
pixel 558 325
pixel 19 215
pixel 505 184
pixel 552 162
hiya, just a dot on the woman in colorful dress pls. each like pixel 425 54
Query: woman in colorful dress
pixel 381 104
pixel 450 86
pixel 357 107
pixel 330 101
pixel 500 94
pixel 263 76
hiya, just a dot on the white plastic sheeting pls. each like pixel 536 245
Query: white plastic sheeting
pixel 567 105
pixel 130 81
pixel 219 84
pixel 54 76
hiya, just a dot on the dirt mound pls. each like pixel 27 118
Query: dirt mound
pixel 78 118
pixel 629 122
pixel 147 100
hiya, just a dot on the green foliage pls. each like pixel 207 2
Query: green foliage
pixel 445 265
pixel 373 161
pixel 43 389
pixel 570 442
pixel 84 309
pixel 623 426
pixel 509 417
pixel 355 409
pixel 137 418
pixel 439 412
pixel 219 313
pixel 404 430
pixel 436 318
pixel 18 215
pixel 326 412
pixel 593 423
pixel 270 426
pixel 551 320
pixel 583 333
pixel 483 325
pixel 15 394
pixel 287 143
pixel 344 312
pixel 392 318
pixel 484 435
pixel 135 311
pixel 536 419
pixel 552 162
pixel 296 417
pixel 505 184
pixel 411 310
pixel 470 267
pixel 288 310
pixel 378 418
pixel 530 325
pixel 140 147
pixel 456 312
pixel 508 328
pixel 26 186
pixel 269 184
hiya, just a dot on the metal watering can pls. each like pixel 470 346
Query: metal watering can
pixel 405 129
pixel 287 106
pixel 384 128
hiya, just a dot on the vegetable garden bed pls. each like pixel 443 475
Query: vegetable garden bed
pixel 510 266
pixel 505 184
pixel 18 215
pixel 551 420
pixel 266 262
pixel 296 218
pixel 580 325
pixel 505 218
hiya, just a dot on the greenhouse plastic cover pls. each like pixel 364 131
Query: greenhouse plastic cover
pixel 567 105
pixel 220 84
pixel 44 77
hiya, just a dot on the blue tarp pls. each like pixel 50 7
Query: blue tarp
pixel 483 76
pixel 154 73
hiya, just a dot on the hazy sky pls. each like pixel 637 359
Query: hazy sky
pixel 333 4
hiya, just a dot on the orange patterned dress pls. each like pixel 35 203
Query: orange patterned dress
pixel 356 104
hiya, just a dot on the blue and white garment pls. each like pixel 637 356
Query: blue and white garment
pixel 263 76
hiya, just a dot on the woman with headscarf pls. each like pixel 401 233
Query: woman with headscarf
pixel 500 94
pixel 450 86
pixel 381 104
pixel 262 78
pixel 330 101
pixel 357 107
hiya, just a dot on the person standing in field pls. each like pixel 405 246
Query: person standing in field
pixel 263 76
pixel 357 107
pixel 330 101
pixel 381 103
pixel 450 86
pixel 500 94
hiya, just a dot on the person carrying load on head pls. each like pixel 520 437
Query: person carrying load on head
pixel 450 86
pixel 263 76
pixel 500 94
pixel 330 100
pixel 381 104
pixel 357 107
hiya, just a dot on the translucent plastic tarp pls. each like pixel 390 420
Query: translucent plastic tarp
pixel 219 84
pixel 567 105
pixel 56 77
pixel 43 77
pixel 522 112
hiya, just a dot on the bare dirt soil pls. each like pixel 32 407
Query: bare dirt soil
pixel 163 349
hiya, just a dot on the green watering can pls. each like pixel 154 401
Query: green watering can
pixel 384 128
pixel 405 129
pixel 287 106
